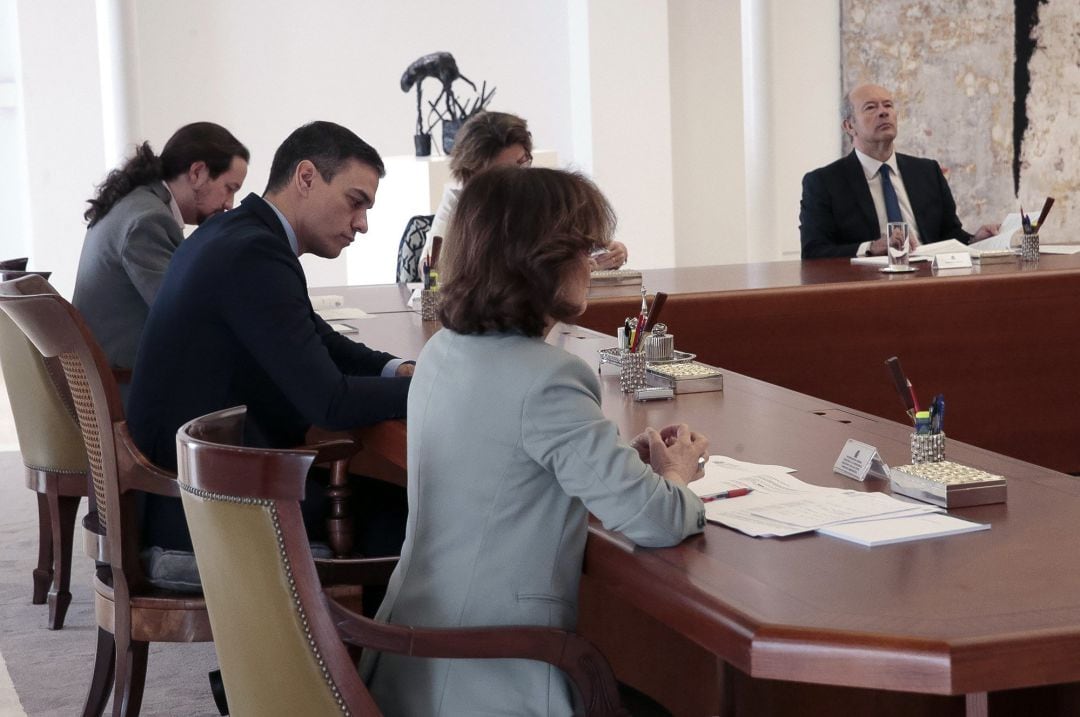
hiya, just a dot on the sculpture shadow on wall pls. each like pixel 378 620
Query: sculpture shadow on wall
pixel 446 107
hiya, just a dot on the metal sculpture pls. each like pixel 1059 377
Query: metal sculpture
pixel 442 66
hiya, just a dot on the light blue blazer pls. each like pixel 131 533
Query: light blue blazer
pixel 508 453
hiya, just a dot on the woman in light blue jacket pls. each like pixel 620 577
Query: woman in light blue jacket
pixel 509 451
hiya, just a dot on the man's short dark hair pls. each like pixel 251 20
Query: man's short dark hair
pixel 196 142
pixel 326 145
pixel 516 236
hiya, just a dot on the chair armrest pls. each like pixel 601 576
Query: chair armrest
pixel 357 571
pixel 136 472
pixel 332 451
pixel 578 658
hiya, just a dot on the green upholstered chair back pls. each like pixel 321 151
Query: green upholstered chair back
pixel 58 332
pixel 41 405
pixel 277 645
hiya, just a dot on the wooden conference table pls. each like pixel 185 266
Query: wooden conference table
pixel 1001 342
pixel 793 624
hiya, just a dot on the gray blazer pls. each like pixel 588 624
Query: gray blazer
pixel 122 265
pixel 508 453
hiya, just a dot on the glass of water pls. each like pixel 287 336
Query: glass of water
pixel 898 240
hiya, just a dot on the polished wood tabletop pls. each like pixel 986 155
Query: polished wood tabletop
pixel 962 615
pixel 998 341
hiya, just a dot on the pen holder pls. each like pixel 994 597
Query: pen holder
pixel 927 447
pixel 632 373
pixel 1029 248
pixel 429 304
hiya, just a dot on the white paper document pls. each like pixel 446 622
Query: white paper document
pixel 327 301
pixel 342 313
pixel 900 530
pixel 1001 240
pixel 1059 248
pixel 884 260
pixel 781 504
pixel 949 246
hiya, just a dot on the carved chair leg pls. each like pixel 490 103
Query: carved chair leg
pixel 339 523
pixel 130 677
pixel 43 572
pixel 63 509
pixel 101 682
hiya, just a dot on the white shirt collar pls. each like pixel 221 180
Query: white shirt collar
pixel 871 166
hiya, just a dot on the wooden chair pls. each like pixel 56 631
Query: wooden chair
pixel 11 274
pixel 13 264
pixel 55 459
pixel 281 642
pixel 130 613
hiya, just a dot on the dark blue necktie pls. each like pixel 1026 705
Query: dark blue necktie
pixel 892 204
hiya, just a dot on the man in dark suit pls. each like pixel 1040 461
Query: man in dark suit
pixel 845 205
pixel 232 323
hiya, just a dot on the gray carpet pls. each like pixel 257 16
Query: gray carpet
pixel 51 669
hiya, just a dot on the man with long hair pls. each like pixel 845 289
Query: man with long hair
pixel 136 221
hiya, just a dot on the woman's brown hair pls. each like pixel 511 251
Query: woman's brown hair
pixel 515 238
pixel 481 139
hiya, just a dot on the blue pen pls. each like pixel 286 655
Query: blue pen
pixel 939 413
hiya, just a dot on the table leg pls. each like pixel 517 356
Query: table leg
pixel 726 675
pixel 340 521
pixel 976 704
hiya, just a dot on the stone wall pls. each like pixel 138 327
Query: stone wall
pixel 951 65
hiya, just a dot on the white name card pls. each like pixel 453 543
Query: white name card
pixel 958 260
pixel 860 460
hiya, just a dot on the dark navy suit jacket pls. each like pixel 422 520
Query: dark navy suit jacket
pixel 837 212
pixel 232 324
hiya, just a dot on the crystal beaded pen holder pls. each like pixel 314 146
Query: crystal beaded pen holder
pixel 1029 248
pixel 927 447
pixel 429 304
pixel 632 371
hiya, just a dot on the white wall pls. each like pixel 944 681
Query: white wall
pixel 630 108
pixel 60 106
pixel 13 235
pixel 709 193
pixel 264 67
pixel 648 95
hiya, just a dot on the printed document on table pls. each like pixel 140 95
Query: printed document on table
pixel 1001 240
pixel 1059 248
pixel 781 504
pixel 949 246
pixel 327 301
pixel 901 530
pixel 343 313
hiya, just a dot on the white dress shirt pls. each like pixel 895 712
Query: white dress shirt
pixel 872 170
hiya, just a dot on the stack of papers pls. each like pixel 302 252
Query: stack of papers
pixel 782 505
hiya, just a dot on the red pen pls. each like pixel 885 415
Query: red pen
pixel 733 493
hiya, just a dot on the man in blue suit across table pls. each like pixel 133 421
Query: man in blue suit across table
pixel 845 205
pixel 233 324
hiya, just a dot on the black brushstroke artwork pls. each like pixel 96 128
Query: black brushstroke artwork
pixel 1027 17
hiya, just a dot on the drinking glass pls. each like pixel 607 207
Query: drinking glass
pixel 898 240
